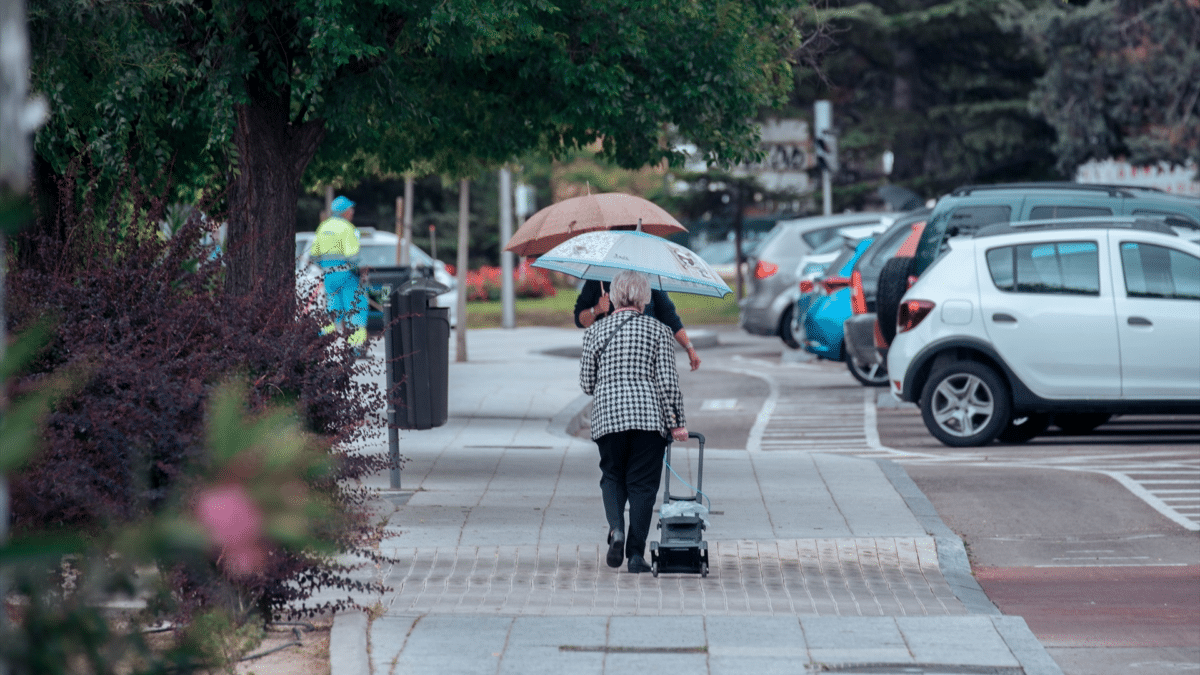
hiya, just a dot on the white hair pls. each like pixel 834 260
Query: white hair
pixel 630 289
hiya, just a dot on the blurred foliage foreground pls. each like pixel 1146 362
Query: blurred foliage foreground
pixel 173 445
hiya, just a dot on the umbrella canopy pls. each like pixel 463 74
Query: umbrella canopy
pixel 559 222
pixel 600 255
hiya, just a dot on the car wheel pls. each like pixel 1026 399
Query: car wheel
pixel 787 331
pixel 874 375
pixel 965 404
pixel 893 284
pixel 1024 428
pixel 1077 424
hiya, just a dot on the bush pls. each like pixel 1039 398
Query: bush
pixel 146 330
pixel 529 282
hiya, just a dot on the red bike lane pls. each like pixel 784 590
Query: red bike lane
pixel 1137 606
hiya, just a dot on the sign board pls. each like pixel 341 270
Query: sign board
pixel 1171 178
pixel 789 154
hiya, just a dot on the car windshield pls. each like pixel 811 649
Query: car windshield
pixel 830 246
pixel 836 267
pixel 719 253
pixel 379 255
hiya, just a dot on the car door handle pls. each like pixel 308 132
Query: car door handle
pixel 1001 317
pixel 1139 321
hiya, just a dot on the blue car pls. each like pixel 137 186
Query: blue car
pixel 829 305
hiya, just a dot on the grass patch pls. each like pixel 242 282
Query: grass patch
pixel 695 310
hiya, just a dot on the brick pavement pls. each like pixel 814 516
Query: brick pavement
pixel 886 576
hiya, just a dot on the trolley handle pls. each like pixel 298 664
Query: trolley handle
pixel 699 470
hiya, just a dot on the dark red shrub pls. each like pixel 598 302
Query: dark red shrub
pixel 145 328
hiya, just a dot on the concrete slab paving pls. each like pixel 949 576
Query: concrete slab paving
pixel 497 543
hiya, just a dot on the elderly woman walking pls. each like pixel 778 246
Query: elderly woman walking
pixel 628 366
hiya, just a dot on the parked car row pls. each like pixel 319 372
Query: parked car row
pixel 1028 305
pixel 775 266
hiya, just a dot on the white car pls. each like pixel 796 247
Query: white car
pixel 1078 318
pixel 378 249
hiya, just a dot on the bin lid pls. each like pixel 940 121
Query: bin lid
pixel 422 285
pixel 391 275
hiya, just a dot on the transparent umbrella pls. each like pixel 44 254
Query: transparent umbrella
pixel 601 255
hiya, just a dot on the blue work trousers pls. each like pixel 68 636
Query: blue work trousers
pixel 347 301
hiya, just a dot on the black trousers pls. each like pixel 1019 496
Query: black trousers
pixel 631 466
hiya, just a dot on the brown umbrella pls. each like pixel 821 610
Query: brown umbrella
pixel 559 222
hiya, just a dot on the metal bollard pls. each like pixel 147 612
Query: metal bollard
pixel 393 432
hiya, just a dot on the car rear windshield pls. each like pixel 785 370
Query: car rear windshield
pixel 966 219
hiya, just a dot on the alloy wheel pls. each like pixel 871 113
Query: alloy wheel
pixel 963 404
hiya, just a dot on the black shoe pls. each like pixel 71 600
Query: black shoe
pixel 637 564
pixel 616 548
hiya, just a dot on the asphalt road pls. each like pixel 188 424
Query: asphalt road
pixel 1065 532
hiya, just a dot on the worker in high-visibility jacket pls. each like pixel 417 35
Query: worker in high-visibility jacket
pixel 335 249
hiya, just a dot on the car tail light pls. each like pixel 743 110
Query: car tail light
pixel 911 313
pixel 858 300
pixel 832 284
pixel 764 269
pixel 806 286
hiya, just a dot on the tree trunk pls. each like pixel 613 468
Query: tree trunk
pixel 272 155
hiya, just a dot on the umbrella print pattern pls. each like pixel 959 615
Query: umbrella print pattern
pixel 601 255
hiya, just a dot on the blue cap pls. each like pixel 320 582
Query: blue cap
pixel 340 205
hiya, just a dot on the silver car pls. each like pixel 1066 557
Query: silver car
pixel 772 285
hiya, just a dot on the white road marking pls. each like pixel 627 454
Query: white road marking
pixel 820 420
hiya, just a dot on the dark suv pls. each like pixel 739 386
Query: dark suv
pixel 969 209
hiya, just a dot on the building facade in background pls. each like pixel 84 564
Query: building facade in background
pixel 1174 179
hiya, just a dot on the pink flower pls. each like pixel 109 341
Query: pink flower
pixel 234 523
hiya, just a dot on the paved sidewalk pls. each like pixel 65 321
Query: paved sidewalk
pixel 819 562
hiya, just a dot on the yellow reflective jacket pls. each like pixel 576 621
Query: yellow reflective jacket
pixel 336 243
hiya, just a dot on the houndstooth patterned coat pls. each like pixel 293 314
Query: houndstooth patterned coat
pixel 634 383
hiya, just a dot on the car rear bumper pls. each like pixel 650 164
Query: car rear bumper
pixel 860 339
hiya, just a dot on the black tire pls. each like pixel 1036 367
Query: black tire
pixel 893 284
pixel 785 328
pixel 966 404
pixel 1077 424
pixel 1024 428
pixel 871 376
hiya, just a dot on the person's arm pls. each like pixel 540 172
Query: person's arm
pixel 664 310
pixel 681 337
pixel 669 394
pixel 588 365
pixel 591 304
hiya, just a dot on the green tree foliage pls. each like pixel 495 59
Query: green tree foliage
pixel 1122 78
pixel 265 90
pixel 940 83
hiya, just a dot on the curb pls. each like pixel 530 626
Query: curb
pixel 348 644
pixel 952 555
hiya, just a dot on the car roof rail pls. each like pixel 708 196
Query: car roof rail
pixel 1147 223
pixel 1111 190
